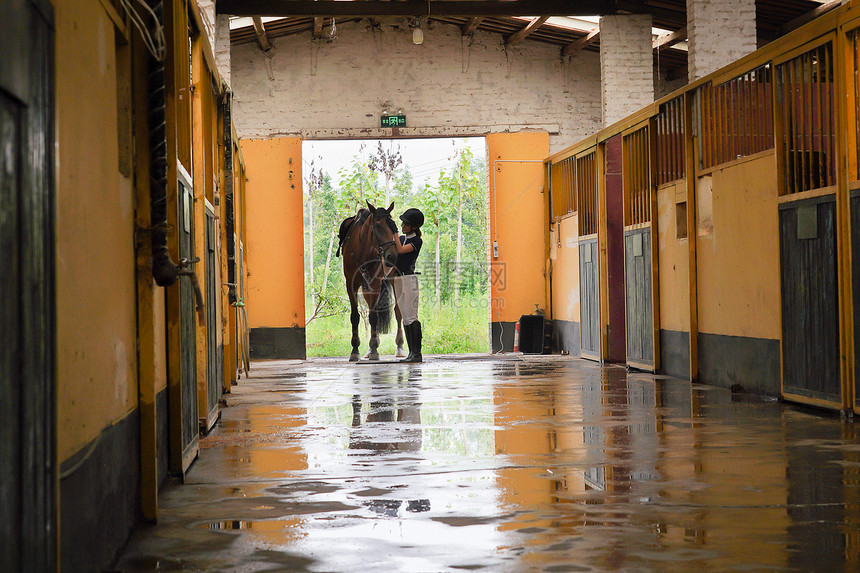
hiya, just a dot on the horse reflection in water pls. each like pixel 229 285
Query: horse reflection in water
pixel 369 256
pixel 391 425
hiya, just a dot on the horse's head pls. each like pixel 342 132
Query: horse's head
pixel 384 233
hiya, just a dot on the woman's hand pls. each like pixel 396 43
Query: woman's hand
pixel 401 248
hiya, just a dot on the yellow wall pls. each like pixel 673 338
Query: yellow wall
pixel 517 208
pixel 738 260
pixel 275 247
pixel 674 262
pixel 564 253
pixel 96 329
pixel 522 486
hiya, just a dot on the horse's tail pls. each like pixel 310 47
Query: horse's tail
pixel 382 309
pixel 343 232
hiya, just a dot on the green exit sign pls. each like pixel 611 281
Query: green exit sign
pixel 393 121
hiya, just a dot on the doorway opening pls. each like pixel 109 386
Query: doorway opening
pixel 446 178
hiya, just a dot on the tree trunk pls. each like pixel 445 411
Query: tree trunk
pixel 328 262
pixel 459 238
pixel 438 270
pixel 311 249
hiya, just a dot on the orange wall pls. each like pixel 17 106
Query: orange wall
pixel 564 253
pixel 96 290
pixel 275 247
pixel 738 252
pixel 517 209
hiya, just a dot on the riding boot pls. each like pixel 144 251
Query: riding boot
pixel 407 333
pixel 414 341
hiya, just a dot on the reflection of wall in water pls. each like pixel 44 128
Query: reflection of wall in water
pixel 820 495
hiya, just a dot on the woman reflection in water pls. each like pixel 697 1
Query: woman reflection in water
pixel 406 282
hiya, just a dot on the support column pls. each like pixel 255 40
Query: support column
pixel 222 46
pixel 626 65
pixel 718 33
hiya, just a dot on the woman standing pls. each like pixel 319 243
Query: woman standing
pixel 406 282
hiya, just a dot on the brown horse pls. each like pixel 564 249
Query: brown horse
pixel 369 256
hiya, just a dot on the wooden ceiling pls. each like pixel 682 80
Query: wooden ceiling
pixel 774 18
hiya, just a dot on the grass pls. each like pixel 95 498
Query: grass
pixel 446 330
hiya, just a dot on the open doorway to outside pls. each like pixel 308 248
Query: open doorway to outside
pixel 443 177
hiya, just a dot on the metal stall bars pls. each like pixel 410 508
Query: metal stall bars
pixel 563 176
pixel 736 118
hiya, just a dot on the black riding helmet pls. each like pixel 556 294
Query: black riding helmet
pixel 412 217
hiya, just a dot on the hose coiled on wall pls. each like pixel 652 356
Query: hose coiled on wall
pixel 164 270
pixel 228 199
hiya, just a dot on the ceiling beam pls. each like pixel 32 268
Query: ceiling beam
pixel 262 38
pixel 669 40
pixel 659 13
pixel 518 37
pixel 581 43
pixel 469 27
pixel 808 17
pixel 306 8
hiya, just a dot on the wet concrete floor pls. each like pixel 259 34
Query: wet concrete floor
pixel 509 463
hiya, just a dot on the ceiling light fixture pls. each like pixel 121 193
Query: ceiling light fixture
pixel 418 34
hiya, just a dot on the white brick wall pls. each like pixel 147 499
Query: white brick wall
pixel 447 86
pixel 626 65
pixel 719 32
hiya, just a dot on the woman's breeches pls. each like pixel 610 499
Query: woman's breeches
pixel 406 293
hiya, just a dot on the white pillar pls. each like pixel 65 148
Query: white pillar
pixel 626 65
pixel 221 48
pixel 718 33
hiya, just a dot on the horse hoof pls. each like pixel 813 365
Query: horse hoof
pixel 400 352
pixel 353 357
pixel 374 356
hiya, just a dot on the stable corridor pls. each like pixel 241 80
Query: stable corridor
pixel 506 463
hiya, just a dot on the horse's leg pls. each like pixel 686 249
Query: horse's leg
pixel 398 339
pixel 373 354
pixel 354 318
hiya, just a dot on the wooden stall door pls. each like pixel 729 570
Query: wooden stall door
pixel 810 312
pixel 853 66
pixel 213 354
pixel 855 247
pixel 28 469
pixel 188 329
pixel 640 264
pixel 589 298
pixel 587 199
pixel 640 294
pixel 807 167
